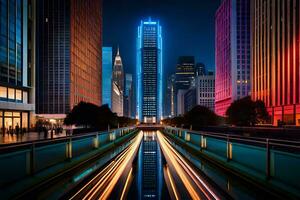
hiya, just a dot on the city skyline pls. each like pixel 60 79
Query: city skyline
pixel 195 25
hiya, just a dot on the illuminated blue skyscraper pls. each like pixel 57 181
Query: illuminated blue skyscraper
pixel 149 72
pixel 106 75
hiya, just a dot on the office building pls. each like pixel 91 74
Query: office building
pixel 118 72
pixel 185 72
pixel 128 95
pixel 117 100
pixel 149 72
pixel 180 102
pixel 276 58
pixel 185 75
pixel 106 75
pixel 232 53
pixel 17 64
pixel 69 57
pixel 203 93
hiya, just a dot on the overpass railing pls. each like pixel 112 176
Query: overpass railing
pixel 270 161
pixel 20 160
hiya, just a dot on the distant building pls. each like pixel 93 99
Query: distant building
pixel 180 102
pixel 149 72
pixel 118 72
pixel 117 100
pixel 190 99
pixel 69 55
pixel 232 53
pixel 17 66
pixel 185 74
pixel 276 58
pixel 200 69
pixel 203 93
pixel 128 95
pixel 106 75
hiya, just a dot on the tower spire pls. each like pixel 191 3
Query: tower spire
pixel 118 52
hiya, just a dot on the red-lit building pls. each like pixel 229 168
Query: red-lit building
pixel 232 53
pixel 276 58
pixel 69 55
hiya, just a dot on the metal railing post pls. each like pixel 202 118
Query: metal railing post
pixel 267 159
pixel 229 149
pixel 96 141
pixel 69 149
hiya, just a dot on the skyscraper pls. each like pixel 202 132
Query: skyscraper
pixel 232 53
pixel 69 55
pixel 106 75
pixel 185 75
pixel 118 71
pixel 185 72
pixel 128 95
pixel 149 72
pixel 16 64
pixel 276 58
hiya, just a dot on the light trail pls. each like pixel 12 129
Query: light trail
pixel 101 188
pixel 126 184
pixel 185 172
pixel 172 183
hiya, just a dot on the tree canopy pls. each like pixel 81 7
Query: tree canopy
pixel 245 112
pixel 92 116
pixel 198 117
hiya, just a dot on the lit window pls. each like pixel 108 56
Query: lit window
pixel 11 93
pixel 25 97
pixel 19 95
pixel 3 92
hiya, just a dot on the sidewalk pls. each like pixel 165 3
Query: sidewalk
pixel 27 137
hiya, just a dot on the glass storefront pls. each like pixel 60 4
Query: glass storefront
pixel 10 121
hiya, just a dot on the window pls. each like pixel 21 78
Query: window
pixel 25 97
pixel 19 95
pixel 3 92
pixel 11 93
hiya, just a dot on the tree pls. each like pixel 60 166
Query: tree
pixel 83 114
pixel 245 112
pixel 262 115
pixel 201 116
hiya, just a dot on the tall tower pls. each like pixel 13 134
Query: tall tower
pixel 149 72
pixel 118 71
pixel 69 55
pixel 232 53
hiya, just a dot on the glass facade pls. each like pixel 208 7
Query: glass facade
pixel 106 75
pixel 69 54
pixel 232 48
pixel 53 57
pixel 14 88
pixel 11 42
pixel 149 72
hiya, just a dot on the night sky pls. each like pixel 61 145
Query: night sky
pixel 187 25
